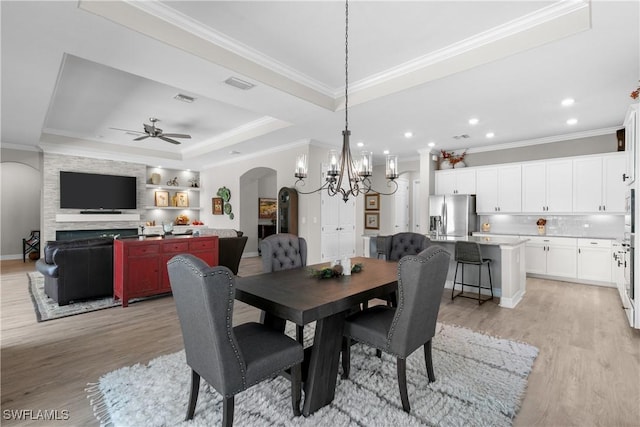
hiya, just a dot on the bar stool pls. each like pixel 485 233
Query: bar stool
pixel 469 253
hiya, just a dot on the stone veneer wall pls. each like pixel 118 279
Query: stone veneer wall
pixel 54 163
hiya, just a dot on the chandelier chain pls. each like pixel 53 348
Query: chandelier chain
pixel 346 65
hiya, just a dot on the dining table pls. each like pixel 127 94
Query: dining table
pixel 299 296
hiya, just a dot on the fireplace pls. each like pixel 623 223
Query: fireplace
pixel 86 234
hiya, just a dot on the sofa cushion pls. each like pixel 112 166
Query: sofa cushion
pixel 51 246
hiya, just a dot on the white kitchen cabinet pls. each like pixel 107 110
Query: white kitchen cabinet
pixel 631 135
pixel 597 184
pixel 547 186
pixel 456 181
pixel 594 260
pixel 499 189
pixel 552 256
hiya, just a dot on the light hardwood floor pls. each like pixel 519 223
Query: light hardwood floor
pixel 587 372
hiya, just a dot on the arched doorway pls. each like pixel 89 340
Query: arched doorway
pixel 255 184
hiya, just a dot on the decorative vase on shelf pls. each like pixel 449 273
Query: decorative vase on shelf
pixel 155 178
pixel 541 229
pixel 444 164
pixel 460 164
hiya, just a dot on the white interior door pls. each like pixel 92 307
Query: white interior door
pixel 338 227
pixel 415 217
pixel 401 207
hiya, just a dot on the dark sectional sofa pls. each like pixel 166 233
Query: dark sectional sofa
pixel 76 270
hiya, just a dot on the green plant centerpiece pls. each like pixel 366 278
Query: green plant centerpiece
pixel 335 271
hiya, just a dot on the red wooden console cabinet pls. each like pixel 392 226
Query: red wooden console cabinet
pixel 140 266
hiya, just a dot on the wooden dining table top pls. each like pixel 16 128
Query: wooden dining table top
pixel 298 296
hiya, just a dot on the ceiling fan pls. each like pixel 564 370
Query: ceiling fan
pixel 154 132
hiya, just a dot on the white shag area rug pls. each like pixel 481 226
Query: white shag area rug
pixel 480 381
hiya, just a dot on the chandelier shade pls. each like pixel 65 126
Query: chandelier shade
pixel 345 176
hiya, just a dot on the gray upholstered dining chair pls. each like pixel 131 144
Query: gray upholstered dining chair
pixel 231 359
pixel 399 245
pixel 284 251
pixel 401 330
pixel 402 244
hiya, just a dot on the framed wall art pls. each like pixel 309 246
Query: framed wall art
pixel 182 199
pixel 161 198
pixel 267 208
pixel 217 206
pixel 372 220
pixel 372 202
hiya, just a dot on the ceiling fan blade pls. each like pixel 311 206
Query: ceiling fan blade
pixel 164 138
pixel 140 138
pixel 177 135
pixel 127 130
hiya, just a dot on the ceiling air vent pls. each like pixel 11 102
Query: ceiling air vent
pixel 184 98
pixel 240 84
pixel 463 136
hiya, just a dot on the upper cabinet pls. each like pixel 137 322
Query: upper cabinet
pixel 456 181
pixel 598 184
pixel 498 189
pixel 547 186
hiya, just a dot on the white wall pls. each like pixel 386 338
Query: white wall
pixel 20 203
pixel 282 162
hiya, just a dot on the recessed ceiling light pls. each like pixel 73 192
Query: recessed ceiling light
pixel 473 121
pixel 234 152
pixel 431 144
pixel 385 152
pixel 568 101
pixel 572 121
pixel 490 135
pixel 408 134
pixel 360 144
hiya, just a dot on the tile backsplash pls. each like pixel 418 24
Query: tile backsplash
pixel 602 226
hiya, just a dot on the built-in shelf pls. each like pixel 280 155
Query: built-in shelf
pixel 172 188
pixel 96 217
pixel 175 208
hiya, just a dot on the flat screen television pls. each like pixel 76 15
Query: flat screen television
pixel 97 192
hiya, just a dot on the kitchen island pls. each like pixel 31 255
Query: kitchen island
pixel 507 267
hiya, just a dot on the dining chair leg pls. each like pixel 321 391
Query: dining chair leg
pixel 227 411
pixel 402 383
pixel 480 301
pixel 296 388
pixel 193 395
pixel 346 357
pixel 300 334
pixel 490 281
pixel 455 277
pixel 429 361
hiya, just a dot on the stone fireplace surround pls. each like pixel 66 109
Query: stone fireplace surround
pixel 56 220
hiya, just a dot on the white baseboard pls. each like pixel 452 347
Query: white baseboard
pixel 10 257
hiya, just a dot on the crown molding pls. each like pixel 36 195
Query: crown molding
pixel 261 153
pixel 21 147
pixel 254 129
pixel 197 28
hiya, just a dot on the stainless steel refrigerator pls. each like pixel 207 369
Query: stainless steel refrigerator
pixel 452 215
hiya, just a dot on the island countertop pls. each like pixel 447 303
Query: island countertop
pixel 483 240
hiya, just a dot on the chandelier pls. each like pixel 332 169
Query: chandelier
pixel 345 176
